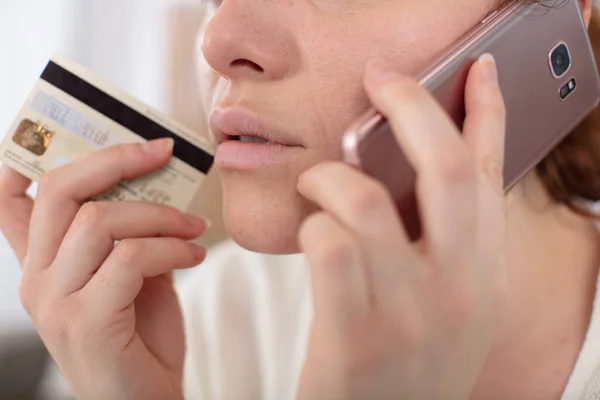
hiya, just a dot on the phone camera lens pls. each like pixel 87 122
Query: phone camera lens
pixel 560 60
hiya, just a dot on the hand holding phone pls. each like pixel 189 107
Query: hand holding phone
pixel 547 74
pixel 382 303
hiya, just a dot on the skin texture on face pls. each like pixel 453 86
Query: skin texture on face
pixel 299 65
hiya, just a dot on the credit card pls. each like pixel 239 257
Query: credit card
pixel 71 112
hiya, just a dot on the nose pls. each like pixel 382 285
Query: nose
pixel 250 40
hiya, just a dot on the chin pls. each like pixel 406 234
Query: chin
pixel 261 214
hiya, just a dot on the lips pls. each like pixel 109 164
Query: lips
pixel 236 123
pixel 247 142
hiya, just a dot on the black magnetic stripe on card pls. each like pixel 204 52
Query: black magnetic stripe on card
pixel 124 115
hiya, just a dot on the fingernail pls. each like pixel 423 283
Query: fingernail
pixel 158 146
pixel 488 68
pixel 380 72
pixel 200 252
pixel 198 221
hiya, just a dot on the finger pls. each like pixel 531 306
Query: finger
pixel 337 275
pixel 91 237
pixel 15 210
pixel 446 178
pixel 485 125
pixel 484 133
pixel 365 208
pixel 119 280
pixel 62 191
pixel 360 202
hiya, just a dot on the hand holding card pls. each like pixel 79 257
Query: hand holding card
pixel 107 312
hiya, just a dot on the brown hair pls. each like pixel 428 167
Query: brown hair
pixel 571 172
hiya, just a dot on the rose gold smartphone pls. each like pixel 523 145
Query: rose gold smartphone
pixel 548 76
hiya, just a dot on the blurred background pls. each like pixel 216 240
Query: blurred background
pixel 145 47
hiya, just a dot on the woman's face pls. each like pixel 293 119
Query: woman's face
pixel 291 71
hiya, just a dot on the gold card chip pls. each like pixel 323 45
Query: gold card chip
pixel 33 137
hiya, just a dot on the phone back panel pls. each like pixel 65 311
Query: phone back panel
pixel 521 38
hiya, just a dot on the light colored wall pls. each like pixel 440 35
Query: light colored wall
pixel 23 53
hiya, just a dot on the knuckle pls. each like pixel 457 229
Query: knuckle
pixel 311 229
pixel 121 156
pixel 405 90
pixel 128 251
pixel 171 214
pixel 455 166
pixel 337 253
pixel 330 248
pixel 373 199
pixel 91 214
pixel 493 167
pixel 49 184
pixel 126 151
pixel 117 151
pixel 318 174
pixel 321 168
pixel 103 281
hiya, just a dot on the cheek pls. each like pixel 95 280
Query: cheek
pixel 409 41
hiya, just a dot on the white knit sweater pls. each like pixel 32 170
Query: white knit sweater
pixel 248 316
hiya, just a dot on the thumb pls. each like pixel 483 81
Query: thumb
pixel 15 210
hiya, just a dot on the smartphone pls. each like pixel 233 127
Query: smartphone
pixel 548 76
